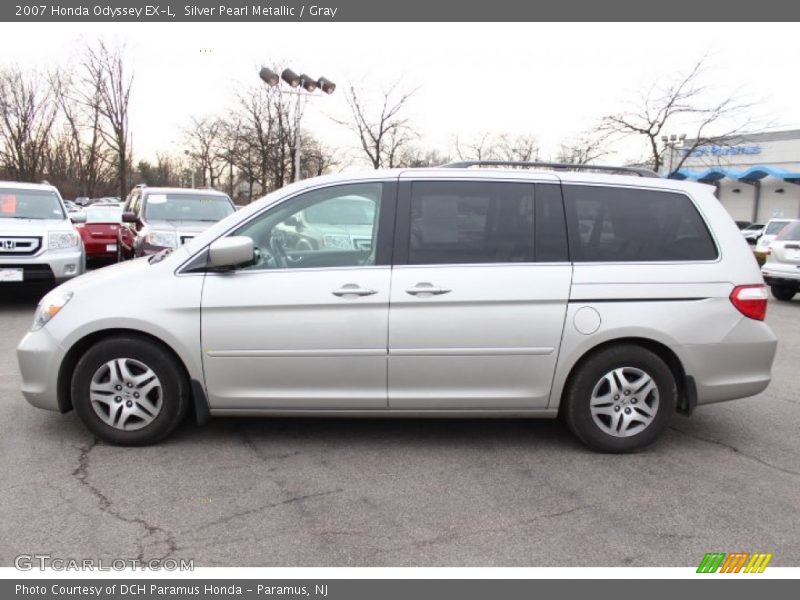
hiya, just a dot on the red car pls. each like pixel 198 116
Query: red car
pixel 99 231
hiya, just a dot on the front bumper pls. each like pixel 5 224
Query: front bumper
pixel 51 265
pixel 39 357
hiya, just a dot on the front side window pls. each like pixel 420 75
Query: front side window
pixel 29 204
pixel 187 207
pixel 611 224
pixel 471 222
pixel 331 227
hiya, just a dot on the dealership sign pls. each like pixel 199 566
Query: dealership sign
pixel 723 150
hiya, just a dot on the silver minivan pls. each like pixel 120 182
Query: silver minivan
pixel 612 300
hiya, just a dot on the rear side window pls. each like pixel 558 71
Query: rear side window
pixel 471 222
pixel 791 233
pixel 608 224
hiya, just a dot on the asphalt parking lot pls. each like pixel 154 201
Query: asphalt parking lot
pixel 295 492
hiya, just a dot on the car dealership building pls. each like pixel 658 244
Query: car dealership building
pixel 757 176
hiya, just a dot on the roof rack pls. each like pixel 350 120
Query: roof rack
pixel 463 164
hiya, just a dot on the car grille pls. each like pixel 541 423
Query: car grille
pixel 19 246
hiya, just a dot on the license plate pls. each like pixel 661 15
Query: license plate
pixel 10 275
pixel 111 247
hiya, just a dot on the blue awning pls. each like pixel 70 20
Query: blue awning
pixel 750 175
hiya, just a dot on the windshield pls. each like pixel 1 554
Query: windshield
pixel 29 204
pixel 110 214
pixel 341 212
pixel 187 207
pixel 774 227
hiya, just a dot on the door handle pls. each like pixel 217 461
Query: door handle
pixel 352 289
pixel 427 289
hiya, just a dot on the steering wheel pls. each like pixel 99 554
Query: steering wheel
pixel 277 251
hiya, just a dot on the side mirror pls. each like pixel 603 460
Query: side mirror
pixel 77 217
pixel 129 217
pixel 231 251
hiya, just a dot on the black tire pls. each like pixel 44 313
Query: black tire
pixel 783 293
pixel 175 388
pixel 588 374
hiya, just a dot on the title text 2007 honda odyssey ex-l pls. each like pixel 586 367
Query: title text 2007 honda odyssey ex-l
pixel 611 299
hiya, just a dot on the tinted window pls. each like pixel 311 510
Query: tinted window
pixel 629 225
pixel 471 222
pixel 551 229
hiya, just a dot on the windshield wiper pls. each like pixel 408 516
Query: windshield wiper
pixel 159 256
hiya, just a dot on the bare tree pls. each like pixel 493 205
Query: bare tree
pixel 383 134
pixel 684 102
pixel 27 116
pixel 583 150
pixel 104 68
pixel 206 142
pixel 479 147
pixel 520 147
pixel 84 155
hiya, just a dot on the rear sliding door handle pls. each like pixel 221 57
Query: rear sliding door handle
pixel 427 289
pixel 352 289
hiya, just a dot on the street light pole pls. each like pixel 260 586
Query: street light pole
pixel 295 81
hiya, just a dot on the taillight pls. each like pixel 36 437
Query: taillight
pixel 750 300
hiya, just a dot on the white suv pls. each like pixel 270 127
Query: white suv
pixel 38 243
pixel 610 299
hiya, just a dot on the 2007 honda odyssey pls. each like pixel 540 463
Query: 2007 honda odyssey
pixel 611 299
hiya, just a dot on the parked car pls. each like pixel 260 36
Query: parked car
pixel 82 201
pixel 158 218
pixel 742 224
pixel 771 231
pixel 782 268
pixel 38 243
pixel 480 296
pixel 752 232
pixel 99 229
pixel 71 206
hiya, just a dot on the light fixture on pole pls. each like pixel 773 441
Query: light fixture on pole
pixel 302 86
pixel 671 142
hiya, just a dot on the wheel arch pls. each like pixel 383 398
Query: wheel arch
pixel 687 394
pixel 78 349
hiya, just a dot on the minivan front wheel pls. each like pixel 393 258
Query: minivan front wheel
pixel 620 399
pixel 129 391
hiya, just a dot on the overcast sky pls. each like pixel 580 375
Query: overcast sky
pixel 551 80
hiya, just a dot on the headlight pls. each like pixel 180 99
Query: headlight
pixel 337 240
pixel 57 240
pixel 48 308
pixel 163 239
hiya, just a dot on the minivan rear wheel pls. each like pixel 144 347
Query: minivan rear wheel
pixel 620 399
pixel 129 391
pixel 783 293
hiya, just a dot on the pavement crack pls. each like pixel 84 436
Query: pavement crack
pixel 257 509
pixel 735 450
pixel 81 473
pixel 450 537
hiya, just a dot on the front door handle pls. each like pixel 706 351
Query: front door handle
pixel 427 289
pixel 352 289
